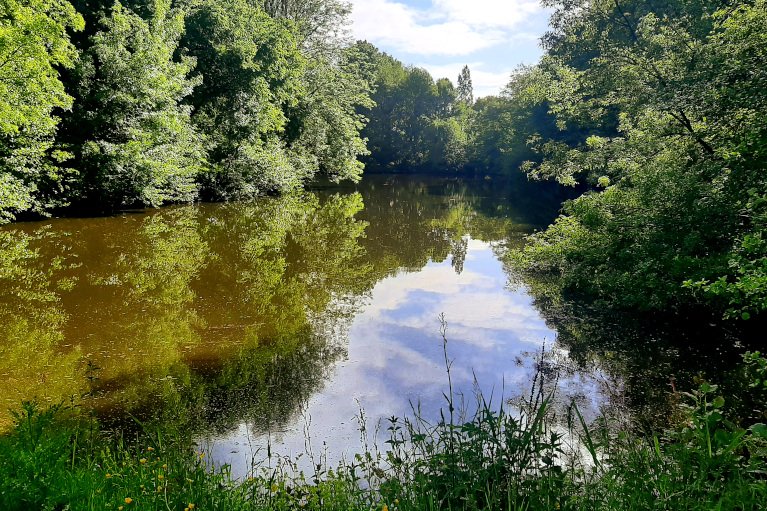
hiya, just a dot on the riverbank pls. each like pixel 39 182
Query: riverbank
pixel 526 457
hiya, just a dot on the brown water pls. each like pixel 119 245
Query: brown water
pixel 274 318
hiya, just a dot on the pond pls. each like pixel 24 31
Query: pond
pixel 267 323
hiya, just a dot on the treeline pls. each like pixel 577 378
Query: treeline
pixel 416 124
pixel 106 104
pixel 419 124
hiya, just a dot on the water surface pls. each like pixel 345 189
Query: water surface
pixel 276 318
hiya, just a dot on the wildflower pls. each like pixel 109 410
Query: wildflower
pixel 385 508
pixel 128 500
pixel 160 477
pixel 275 488
pixel 142 460
pixel 165 466
pixel 120 508
pixel 396 502
pixel 190 506
pixel 150 449
pixel 109 476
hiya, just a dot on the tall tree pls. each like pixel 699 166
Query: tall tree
pixel 324 127
pixel 251 69
pixel 34 44
pixel 673 100
pixel 321 24
pixel 133 139
pixel 465 87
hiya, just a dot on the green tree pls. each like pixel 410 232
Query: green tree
pixel 667 98
pixel 321 24
pixel 417 123
pixel 324 126
pixel 34 44
pixel 465 87
pixel 251 71
pixel 133 139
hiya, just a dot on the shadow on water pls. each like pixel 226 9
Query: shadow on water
pixel 654 356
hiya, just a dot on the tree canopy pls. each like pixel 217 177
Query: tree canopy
pixel 147 102
pixel 666 105
pixel 34 43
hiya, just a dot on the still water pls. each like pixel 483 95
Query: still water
pixel 267 321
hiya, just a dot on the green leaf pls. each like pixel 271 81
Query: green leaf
pixel 759 430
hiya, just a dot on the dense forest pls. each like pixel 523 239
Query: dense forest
pixel 107 105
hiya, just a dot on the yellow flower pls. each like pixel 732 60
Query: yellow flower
pixel 275 488
pixel 165 466
pixel 109 476
pixel 385 508
pixel 142 460
pixel 396 502
pixel 150 449
pixel 160 477
pixel 128 500
pixel 190 506
pixel 120 508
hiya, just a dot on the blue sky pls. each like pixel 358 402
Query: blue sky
pixel 492 37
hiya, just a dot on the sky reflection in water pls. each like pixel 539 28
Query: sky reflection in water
pixel 395 357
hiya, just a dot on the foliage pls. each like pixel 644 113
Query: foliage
pixel 133 140
pixel 465 87
pixel 34 45
pixel 250 66
pixel 171 101
pixel 672 147
pixel 324 127
pixel 417 123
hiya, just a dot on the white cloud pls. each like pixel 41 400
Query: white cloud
pixel 489 13
pixel 449 27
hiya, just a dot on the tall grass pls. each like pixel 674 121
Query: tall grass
pixel 482 456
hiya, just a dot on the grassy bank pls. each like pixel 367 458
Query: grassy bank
pixel 494 458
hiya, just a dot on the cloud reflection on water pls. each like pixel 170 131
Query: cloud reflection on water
pixel 395 355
